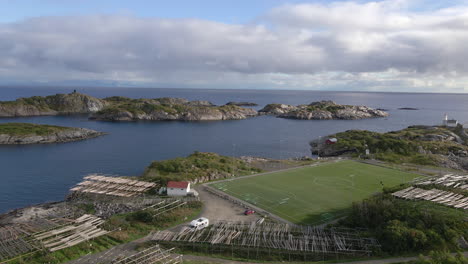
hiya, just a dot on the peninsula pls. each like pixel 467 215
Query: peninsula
pixel 322 110
pixel 25 133
pixel 425 145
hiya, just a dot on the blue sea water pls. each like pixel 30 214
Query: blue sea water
pixel 38 173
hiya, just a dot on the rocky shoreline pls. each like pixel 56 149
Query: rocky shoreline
pixel 242 103
pixel 118 108
pixel 322 110
pixel 59 104
pixel 62 136
pixel 424 145
pixel 175 112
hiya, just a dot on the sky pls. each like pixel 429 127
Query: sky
pixel 391 46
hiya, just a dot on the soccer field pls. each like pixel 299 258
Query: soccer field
pixel 314 194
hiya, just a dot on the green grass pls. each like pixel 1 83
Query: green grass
pixel 314 194
pixel 197 165
pixel 22 129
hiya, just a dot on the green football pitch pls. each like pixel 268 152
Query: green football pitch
pixel 314 194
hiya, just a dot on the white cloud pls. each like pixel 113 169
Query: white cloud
pixel 343 45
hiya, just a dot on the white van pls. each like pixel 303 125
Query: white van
pixel 200 223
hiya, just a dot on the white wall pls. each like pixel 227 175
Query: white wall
pixel 178 191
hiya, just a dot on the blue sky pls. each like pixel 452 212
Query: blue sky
pixel 238 11
pixel 385 45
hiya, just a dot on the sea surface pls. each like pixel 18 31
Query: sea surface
pixel 34 174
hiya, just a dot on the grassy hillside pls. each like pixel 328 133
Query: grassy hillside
pixel 23 129
pixel 409 226
pixel 118 104
pixel 413 145
pixel 61 103
pixel 199 165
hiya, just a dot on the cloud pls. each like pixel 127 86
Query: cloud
pixel 375 45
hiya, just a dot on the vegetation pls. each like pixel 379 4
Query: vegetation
pixel 403 226
pixel 127 227
pixel 441 257
pixel 316 194
pixel 23 129
pixel 57 102
pixel 197 165
pixel 118 104
pixel 326 106
pixel 415 144
pixel 137 106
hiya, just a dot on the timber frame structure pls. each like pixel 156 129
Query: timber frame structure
pixel 116 186
pixel 271 239
pixel 151 255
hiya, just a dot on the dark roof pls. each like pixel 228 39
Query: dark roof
pixel 174 184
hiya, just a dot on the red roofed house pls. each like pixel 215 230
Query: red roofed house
pixel 178 188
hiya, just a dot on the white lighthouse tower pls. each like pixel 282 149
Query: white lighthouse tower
pixel 445 120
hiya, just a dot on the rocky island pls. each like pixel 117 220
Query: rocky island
pixel 59 104
pixel 424 145
pixel 25 133
pixel 119 108
pixel 322 110
pixel 168 109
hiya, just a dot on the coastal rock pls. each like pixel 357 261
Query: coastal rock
pixel 242 104
pixel 171 109
pixel 407 108
pixel 59 104
pixel 308 115
pixel 170 100
pixel 322 110
pixel 200 103
pixel 68 135
pixel 277 109
pixel 423 145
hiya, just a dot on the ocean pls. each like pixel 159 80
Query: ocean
pixel 32 174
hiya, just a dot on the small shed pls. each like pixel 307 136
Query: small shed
pixel 331 141
pixel 452 123
pixel 175 188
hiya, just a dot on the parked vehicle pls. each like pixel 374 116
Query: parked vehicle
pixel 200 223
pixel 249 212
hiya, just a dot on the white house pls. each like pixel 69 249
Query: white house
pixel 178 188
pixel 450 122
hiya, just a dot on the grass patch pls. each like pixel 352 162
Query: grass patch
pixel 403 226
pixel 311 195
pixel 197 165
pixel 24 129
pixel 415 144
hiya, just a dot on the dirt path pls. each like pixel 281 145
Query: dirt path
pixel 218 209
pixel 214 208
